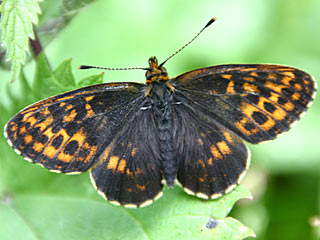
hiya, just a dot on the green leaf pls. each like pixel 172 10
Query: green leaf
pixel 93 79
pixel 185 217
pixel 12 225
pixel 17 17
pixel 230 228
pixel 63 74
pixel 45 84
pixel 175 216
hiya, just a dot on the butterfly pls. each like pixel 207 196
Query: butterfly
pixel 187 130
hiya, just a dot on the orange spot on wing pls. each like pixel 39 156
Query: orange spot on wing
pixel 28 139
pixel 88 98
pixel 278 113
pixel 37 146
pixel 22 130
pixel 69 106
pixel 228 136
pixel 296 96
pixel 250 79
pixel 45 111
pixel 48 132
pixel 122 165
pixel 210 162
pixel 78 136
pixel 14 128
pixel 226 76
pixel 92 149
pixel 298 86
pixel 240 125
pixel 286 80
pixel 215 152
pixel 272 76
pixel 201 163
pixel 141 187
pixel 230 88
pixel 248 69
pixel 289 74
pixel 129 173
pixel 224 148
pixel 201 179
pixel 268 124
pixel 250 88
pixel 250 109
pixel 65 98
pixel 44 124
pixel 255 74
pixel 90 112
pixel 138 172
pixel 289 106
pixel 200 141
pixel 113 162
pixel 70 117
pixel 274 86
pixel 31 120
pixel 50 151
pixel 133 152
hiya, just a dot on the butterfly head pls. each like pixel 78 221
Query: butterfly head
pixel 156 73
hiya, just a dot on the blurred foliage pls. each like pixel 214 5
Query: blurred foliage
pixel 285 177
pixel 17 19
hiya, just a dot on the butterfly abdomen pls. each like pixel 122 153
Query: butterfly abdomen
pixel 162 113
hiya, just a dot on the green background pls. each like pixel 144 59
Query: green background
pixel 285 174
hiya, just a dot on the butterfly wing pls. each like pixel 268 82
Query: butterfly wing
pixel 68 132
pixel 128 172
pixel 104 127
pixel 212 160
pixel 257 102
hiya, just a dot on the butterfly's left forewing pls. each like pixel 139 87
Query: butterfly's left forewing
pixel 257 102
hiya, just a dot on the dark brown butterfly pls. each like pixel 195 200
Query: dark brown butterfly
pixel 187 130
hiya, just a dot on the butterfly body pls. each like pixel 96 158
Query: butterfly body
pixel 160 99
pixel 186 130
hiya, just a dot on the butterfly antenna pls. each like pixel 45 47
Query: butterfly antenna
pixel 207 25
pixel 106 68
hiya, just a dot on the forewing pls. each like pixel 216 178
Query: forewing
pixel 212 160
pixel 128 172
pixel 67 132
pixel 257 102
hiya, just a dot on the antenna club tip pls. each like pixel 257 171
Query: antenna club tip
pixel 83 67
pixel 211 21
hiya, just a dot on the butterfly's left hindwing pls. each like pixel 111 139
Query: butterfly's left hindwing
pixel 212 160
pixel 257 102
pixel 67 132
